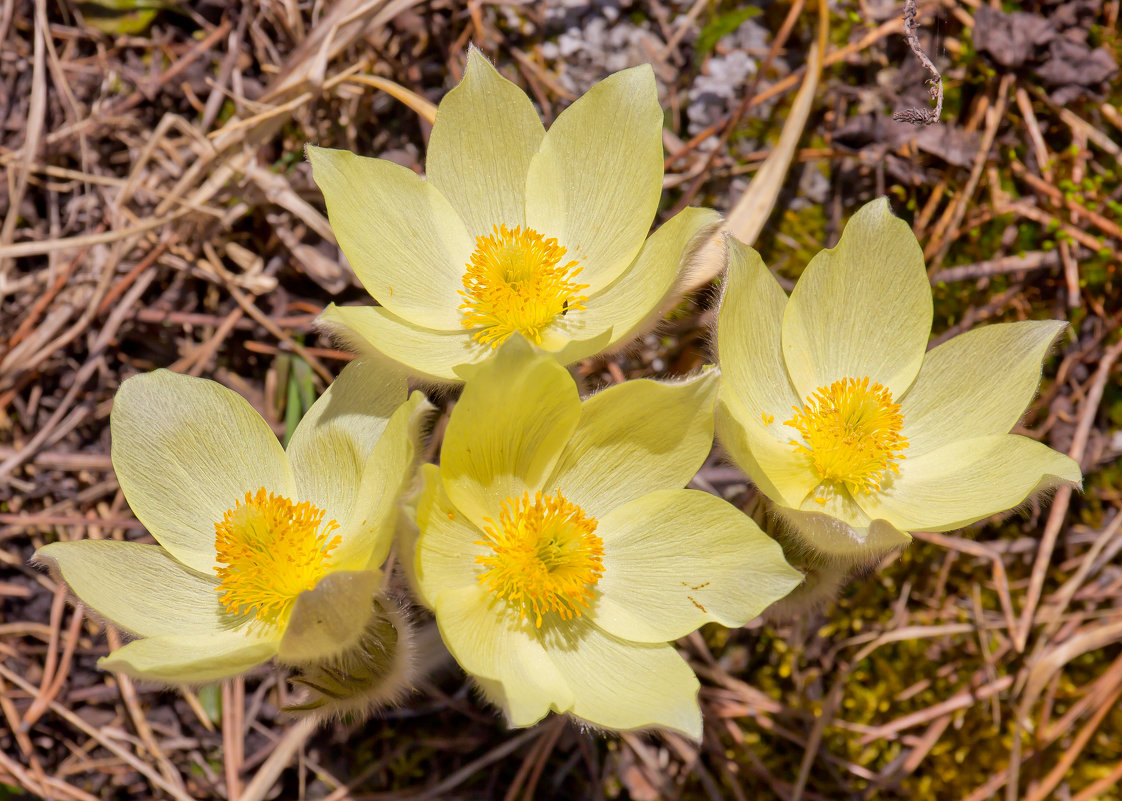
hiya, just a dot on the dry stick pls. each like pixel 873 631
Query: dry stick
pixel 1087 412
pixel 684 25
pixel 1056 775
pixel 204 47
pixel 963 198
pixel 836 691
pixel 821 721
pixel 48 690
pixel 251 309
pixel 25 521
pixel 127 690
pixel 980 550
pixel 924 745
pixel 1097 788
pixel 467 771
pixel 21 249
pixel 1035 260
pixel 36 115
pixel 43 782
pixel 43 352
pixel 1072 585
pixel 36 311
pixel 1105 225
pixel 917 116
pixel 961 700
pixel 26 780
pixel 988 790
pixel 11 714
pixel 196 359
pixel 539 767
pixel 1105 684
pixel 530 771
pixel 92 731
pixel 267 774
pixel 225 70
pixel 51 171
pixel 58 607
pixel 233 734
pixel 1038 215
pixel 83 375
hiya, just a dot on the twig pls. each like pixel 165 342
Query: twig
pixel 919 116
pixel 1089 408
pixel 267 774
pixel 92 731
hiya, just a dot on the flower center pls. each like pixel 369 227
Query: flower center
pixel 545 556
pixel 515 281
pixel 270 550
pixel 851 434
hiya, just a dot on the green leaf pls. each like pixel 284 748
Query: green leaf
pixel 210 698
pixel 301 395
pixel 722 25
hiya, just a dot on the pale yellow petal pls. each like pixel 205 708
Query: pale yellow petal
pixel 622 685
pixel 749 326
pixel 677 559
pixel 839 532
pixel 597 179
pixel 189 658
pixel 446 547
pixel 404 240
pixel 975 384
pixel 756 392
pixel 138 588
pixel 968 480
pixel 486 637
pixel 331 618
pixel 634 438
pixel 185 451
pixel 332 442
pixel 507 430
pixel 376 332
pixel 634 301
pixel 368 530
pixel 569 351
pixel 860 309
pixel 761 447
pixel 485 134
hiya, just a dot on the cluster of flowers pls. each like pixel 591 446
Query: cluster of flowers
pixel 554 541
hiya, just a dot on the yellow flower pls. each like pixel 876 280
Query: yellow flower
pixel 832 405
pixel 561 554
pixel 514 228
pixel 261 552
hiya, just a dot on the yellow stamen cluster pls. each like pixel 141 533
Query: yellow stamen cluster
pixel 545 556
pixel 269 551
pixel 515 282
pixel 851 434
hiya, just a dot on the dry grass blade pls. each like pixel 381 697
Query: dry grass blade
pixel 750 213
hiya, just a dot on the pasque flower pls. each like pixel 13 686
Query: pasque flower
pixel 832 404
pixel 262 552
pixel 513 229
pixel 561 555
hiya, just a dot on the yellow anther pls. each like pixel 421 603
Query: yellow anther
pixel 545 556
pixel 515 281
pixel 270 550
pixel 851 434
